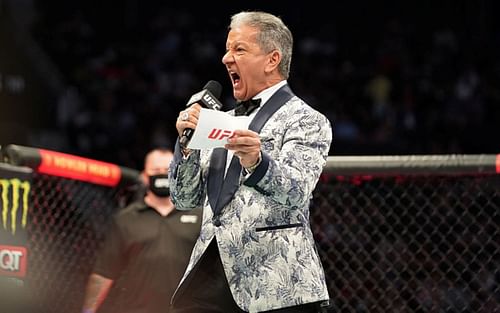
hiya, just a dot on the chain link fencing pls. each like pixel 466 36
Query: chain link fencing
pixel 395 234
pixel 68 220
pixel 410 234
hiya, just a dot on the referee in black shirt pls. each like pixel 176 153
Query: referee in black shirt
pixel 146 250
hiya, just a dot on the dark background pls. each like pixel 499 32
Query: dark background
pixel 106 79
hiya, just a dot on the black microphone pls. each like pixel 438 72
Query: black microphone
pixel 207 98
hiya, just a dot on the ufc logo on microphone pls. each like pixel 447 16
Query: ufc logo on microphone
pixel 219 134
pixel 211 102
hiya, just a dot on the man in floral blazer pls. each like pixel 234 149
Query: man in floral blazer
pixel 256 250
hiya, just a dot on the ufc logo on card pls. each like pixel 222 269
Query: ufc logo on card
pixel 219 134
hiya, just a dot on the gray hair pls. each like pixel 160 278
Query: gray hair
pixel 274 34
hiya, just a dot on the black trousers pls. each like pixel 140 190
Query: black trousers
pixel 206 290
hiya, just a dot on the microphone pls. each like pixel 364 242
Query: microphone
pixel 207 98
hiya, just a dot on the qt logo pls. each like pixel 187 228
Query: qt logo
pixel 12 261
pixel 14 195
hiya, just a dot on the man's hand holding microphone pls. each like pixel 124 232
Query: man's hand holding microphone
pixel 188 119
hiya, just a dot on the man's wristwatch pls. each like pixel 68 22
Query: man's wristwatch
pixel 251 169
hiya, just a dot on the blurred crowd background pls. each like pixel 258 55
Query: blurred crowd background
pixel 106 79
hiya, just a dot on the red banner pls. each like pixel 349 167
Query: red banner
pixel 74 167
pixel 498 163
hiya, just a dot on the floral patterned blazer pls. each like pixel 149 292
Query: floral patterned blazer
pixel 261 221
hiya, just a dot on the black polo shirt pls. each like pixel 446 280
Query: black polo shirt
pixel 146 255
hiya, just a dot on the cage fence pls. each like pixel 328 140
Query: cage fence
pixel 410 234
pixel 394 233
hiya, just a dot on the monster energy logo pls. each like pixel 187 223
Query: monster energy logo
pixel 14 201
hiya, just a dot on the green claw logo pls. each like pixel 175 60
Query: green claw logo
pixel 14 197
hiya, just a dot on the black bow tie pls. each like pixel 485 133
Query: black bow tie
pixel 246 107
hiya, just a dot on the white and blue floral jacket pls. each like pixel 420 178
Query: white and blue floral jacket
pixel 261 221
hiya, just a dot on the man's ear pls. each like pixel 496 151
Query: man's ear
pixel 273 61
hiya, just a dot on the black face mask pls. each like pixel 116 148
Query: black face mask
pixel 159 185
